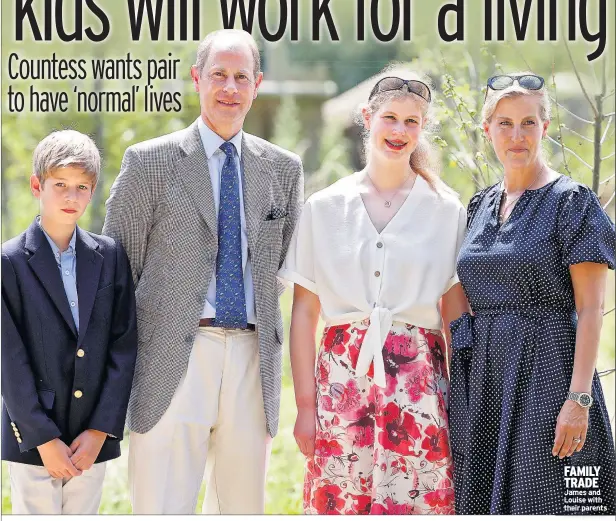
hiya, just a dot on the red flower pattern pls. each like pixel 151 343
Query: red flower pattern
pixel 392 508
pixel 420 381
pixel 335 340
pixel 380 451
pixel 360 427
pixel 403 346
pixel 354 353
pixel 324 448
pixel 322 373
pixel 342 398
pixel 361 505
pixel 399 430
pixel 327 500
pixel 436 443
pixel 441 500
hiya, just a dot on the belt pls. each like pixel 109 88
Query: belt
pixel 210 322
pixel 532 312
pixel 462 329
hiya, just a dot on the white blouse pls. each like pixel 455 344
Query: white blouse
pixel 399 274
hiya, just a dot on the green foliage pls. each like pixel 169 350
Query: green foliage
pixel 287 127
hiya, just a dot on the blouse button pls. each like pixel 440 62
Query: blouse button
pixel 377 273
pixel 379 244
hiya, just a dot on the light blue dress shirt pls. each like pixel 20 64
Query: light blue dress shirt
pixel 67 264
pixel 215 161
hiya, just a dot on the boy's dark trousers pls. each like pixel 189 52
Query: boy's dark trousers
pixel 57 382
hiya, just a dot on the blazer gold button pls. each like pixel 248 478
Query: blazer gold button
pixel 15 428
pixel 80 353
pixel 18 440
pixel 78 394
pixel 13 424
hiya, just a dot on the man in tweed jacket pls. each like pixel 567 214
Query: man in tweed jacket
pixel 206 395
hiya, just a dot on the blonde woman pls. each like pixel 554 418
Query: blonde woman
pixel 527 405
pixel 374 254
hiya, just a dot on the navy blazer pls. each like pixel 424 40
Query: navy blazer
pixel 57 383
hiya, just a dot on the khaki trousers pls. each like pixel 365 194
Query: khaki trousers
pixel 35 492
pixel 215 425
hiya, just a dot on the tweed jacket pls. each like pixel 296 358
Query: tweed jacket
pixel 161 208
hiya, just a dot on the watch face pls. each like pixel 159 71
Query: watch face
pixel 584 400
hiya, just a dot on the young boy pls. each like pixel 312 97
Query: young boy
pixel 69 340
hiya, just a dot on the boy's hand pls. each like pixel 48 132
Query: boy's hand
pixel 56 457
pixel 86 447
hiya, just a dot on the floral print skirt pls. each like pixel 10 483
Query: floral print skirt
pixel 381 450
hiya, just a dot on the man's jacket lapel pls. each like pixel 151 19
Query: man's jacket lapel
pixel 194 173
pixel 257 186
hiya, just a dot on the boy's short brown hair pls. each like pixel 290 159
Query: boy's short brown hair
pixel 64 148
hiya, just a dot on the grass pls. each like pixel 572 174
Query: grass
pixel 285 476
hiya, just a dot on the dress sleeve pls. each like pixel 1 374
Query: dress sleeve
pixel 298 266
pixel 462 218
pixel 586 232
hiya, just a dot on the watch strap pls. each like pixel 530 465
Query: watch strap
pixel 577 398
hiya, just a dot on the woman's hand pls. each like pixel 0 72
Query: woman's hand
pixel 572 424
pixel 453 304
pixel 304 319
pixel 304 432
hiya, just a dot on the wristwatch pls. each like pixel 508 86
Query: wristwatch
pixel 582 399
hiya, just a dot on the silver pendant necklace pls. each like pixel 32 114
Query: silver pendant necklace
pixel 508 204
pixel 391 199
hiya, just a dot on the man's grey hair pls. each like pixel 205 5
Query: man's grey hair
pixel 235 36
pixel 64 148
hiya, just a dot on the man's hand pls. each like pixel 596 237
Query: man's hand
pixel 86 447
pixel 56 457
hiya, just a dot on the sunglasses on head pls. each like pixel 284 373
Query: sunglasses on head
pixel 393 83
pixel 526 81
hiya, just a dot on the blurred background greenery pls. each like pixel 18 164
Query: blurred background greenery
pixel 307 103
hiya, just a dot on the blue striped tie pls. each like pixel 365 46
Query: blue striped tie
pixel 230 297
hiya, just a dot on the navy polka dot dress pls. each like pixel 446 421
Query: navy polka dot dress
pixel 513 359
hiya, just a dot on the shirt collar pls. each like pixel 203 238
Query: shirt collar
pixel 54 247
pixel 212 141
